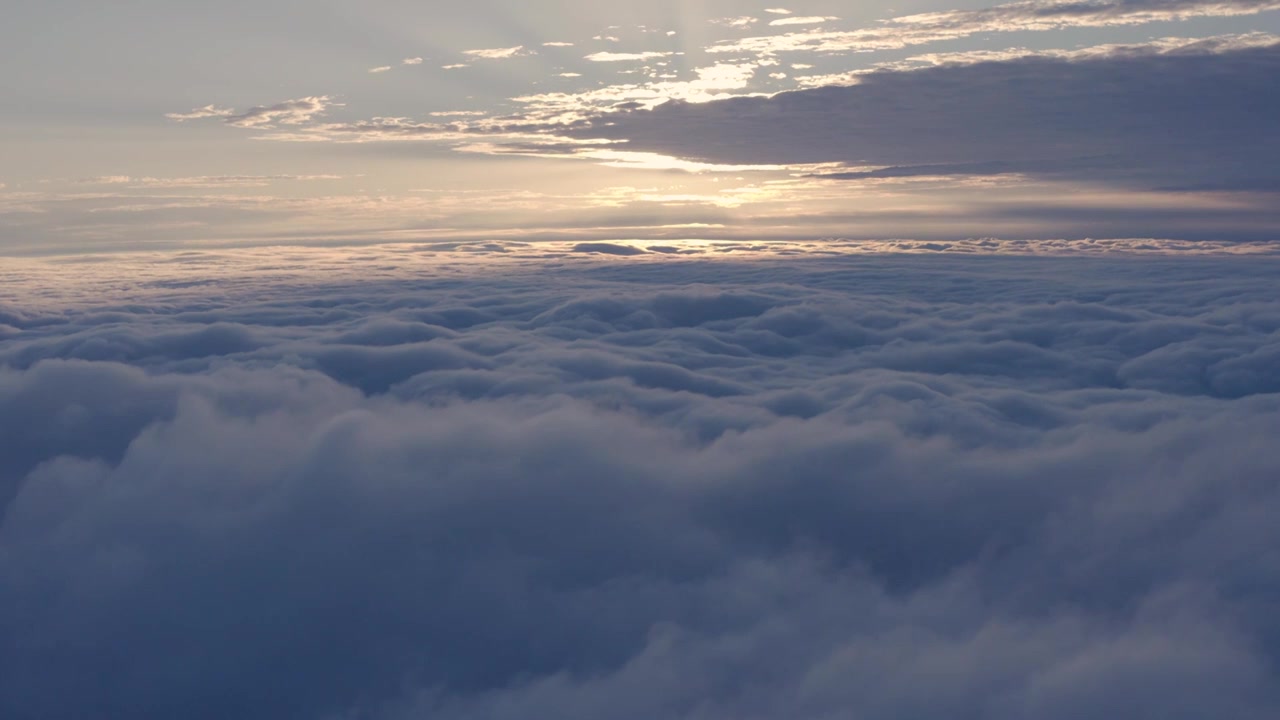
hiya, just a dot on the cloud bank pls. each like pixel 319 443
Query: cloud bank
pixel 1191 115
pixel 439 480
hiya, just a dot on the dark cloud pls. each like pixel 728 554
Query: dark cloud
pixel 662 485
pixel 1197 117
pixel 608 249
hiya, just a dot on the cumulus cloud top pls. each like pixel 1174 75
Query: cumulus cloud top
pixel 683 482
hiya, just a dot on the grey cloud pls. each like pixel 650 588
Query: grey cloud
pixel 608 249
pixel 1193 118
pixel 547 483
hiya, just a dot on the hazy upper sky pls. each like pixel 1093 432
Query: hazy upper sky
pixel 141 122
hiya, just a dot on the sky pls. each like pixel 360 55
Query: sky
pixel 678 360
pixel 145 124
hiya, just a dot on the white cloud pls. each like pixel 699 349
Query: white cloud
pixel 498 53
pixel 411 61
pixel 626 57
pixel 289 112
pixel 714 81
pixel 743 21
pixel 380 69
pixel 806 20
pixel 208 111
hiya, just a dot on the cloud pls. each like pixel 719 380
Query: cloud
pixel 557 44
pixel 1169 45
pixel 498 53
pixel 1166 114
pixel 608 249
pixel 289 112
pixel 910 30
pixel 207 111
pixel 1097 13
pixel 802 20
pixel 203 181
pixel 544 111
pixel 742 21
pixel 380 69
pixel 578 484
pixel 626 57
pixel 411 61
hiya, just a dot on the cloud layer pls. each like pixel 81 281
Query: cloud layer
pixel 471 482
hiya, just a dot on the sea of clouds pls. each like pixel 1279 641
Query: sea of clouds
pixel 497 481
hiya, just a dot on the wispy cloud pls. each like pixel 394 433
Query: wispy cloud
pixel 411 61
pixel 203 181
pixel 380 69
pixel 906 31
pixel 208 111
pixel 1168 45
pixel 1053 14
pixel 743 21
pixel 713 81
pixel 289 112
pixel 805 20
pixel 498 53
pixel 626 57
